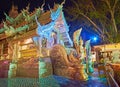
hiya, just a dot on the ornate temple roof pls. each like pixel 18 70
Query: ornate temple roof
pixel 19 20
pixel 26 24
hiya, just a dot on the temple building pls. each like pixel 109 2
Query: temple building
pixel 37 45
pixel 38 42
pixel 17 34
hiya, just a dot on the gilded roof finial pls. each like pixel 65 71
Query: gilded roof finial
pixel 63 2
pixel 14 11
pixel 42 6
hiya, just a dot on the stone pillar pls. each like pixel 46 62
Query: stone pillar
pixel 45 67
pixel 15 52
pixel 12 70
pixel 11 73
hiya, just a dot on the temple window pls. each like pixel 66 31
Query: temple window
pixel 5 48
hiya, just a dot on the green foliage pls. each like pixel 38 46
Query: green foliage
pixel 94 14
pixel 104 15
pixel 117 16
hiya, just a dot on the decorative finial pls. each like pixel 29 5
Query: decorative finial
pixel 63 2
pixel 42 5
pixel 28 7
pixel 49 8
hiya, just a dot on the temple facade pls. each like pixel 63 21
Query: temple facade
pixel 38 42
pixel 19 32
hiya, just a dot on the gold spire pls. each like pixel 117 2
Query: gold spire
pixel 14 11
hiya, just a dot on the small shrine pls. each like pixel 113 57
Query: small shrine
pixel 109 52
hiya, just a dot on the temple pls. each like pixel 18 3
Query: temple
pixel 22 29
pixel 35 36
pixel 37 45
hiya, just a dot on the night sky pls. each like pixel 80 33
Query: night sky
pixel 5 6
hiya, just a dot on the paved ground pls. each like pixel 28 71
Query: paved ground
pixel 94 81
pixel 52 81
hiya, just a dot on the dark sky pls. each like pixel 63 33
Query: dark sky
pixel 5 5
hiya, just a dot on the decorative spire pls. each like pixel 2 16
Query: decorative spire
pixel 42 5
pixel 63 2
pixel 49 8
pixel 28 7
pixel 14 11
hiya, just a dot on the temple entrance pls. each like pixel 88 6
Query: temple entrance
pixel 27 64
pixel 28 68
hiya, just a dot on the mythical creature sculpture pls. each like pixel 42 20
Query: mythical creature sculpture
pixel 54 15
pixel 76 36
pixel 82 50
pixel 88 48
pixel 45 30
pixel 88 57
pixel 66 65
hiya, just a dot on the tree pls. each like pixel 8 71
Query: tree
pixel 103 15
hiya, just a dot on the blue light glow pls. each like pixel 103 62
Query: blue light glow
pixel 95 38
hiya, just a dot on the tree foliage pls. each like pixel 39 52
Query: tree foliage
pixel 103 15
